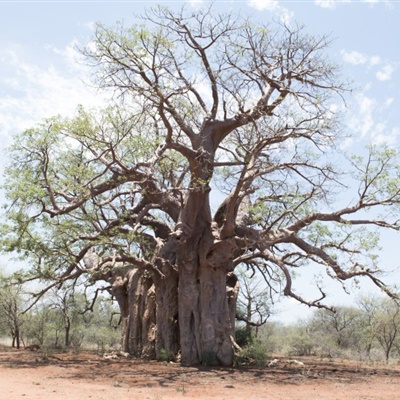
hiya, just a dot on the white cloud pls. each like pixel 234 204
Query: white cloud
pixel 374 60
pixel 372 2
pixel 382 135
pixel 390 4
pixel 70 55
pixel 264 4
pixel 389 101
pixel 330 4
pixel 369 121
pixel 326 3
pixel 33 92
pixel 367 106
pixel 361 120
pixel 356 58
pixel 284 14
pixel 196 3
pixel 385 73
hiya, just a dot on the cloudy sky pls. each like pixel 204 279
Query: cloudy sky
pixel 40 72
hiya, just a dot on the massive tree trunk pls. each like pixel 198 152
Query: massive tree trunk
pixel 206 316
pixel 147 300
pixel 204 261
pixel 201 327
pixel 135 294
pixel 140 334
pixel 167 340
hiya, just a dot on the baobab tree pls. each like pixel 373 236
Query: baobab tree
pixel 218 150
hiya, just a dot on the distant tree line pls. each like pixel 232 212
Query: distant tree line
pixel 369 330
pixel 63 319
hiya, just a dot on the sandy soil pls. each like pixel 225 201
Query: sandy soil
pixel 25 374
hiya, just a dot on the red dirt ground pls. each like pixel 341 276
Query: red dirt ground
pixel 25 375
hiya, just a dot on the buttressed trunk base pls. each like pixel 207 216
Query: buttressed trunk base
pixel 205 315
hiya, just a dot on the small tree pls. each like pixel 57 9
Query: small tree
pixel 64 304
pixel 299 339
pixel 368 322
pixel 11 308
pixel 339 329
pixel 103 330
pixel 253 303
pixel 388 325
pixel 70 315
pixel 37 321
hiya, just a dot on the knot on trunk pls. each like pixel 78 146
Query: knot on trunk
pixel 222 254
pixel 182 232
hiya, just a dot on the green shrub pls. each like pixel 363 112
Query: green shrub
pixel 165 355
pixel 243 337
pixel 300 345
pixel 255 353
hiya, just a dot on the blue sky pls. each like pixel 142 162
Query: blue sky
pixel 40 75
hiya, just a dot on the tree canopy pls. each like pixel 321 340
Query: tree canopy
pixel 218 150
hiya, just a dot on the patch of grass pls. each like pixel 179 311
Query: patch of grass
pixel 182 388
